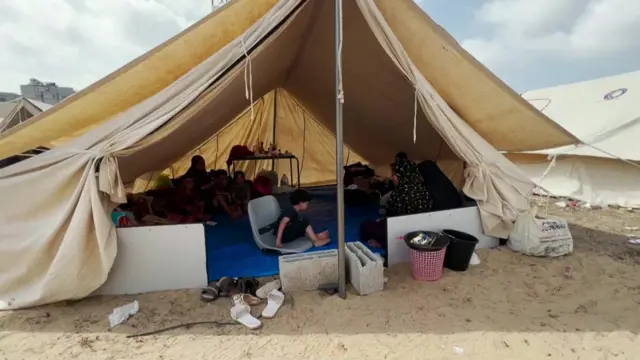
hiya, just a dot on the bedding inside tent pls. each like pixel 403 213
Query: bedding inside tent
pixel 407 87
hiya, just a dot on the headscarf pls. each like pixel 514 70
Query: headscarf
pixel 199 176
pixel 406 171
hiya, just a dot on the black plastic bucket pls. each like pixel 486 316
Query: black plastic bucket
pixel 438 241
pixel 460 249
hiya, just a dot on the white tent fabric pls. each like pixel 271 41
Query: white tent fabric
pixel 604 114
pixel 57 217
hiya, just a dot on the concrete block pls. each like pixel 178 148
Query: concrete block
pixel 309 270
pixel 366 269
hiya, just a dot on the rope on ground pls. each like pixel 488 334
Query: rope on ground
pixel 188 324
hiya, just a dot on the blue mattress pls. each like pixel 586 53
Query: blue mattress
pixel 232 252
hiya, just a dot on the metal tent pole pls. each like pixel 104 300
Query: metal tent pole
pixel 342 284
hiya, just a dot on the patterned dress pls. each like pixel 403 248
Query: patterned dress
pixel 411 195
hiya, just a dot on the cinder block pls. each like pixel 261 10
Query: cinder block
pixel 366 269
pixel 309 270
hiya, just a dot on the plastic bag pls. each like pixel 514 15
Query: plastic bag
pixel 540 237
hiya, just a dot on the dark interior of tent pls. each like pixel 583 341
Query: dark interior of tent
pixel 380 117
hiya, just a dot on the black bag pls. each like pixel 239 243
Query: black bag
pixel 444 194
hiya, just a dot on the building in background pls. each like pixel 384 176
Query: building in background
pixel 46 92
pixel 5 96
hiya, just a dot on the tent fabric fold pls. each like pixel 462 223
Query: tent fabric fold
pixel 57 218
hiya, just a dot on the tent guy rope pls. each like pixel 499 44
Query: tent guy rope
pixel 248 78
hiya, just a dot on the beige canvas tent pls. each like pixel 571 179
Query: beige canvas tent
pixel 402 74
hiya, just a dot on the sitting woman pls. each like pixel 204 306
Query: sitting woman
pixel 198 172
pixel 183 206
pixel 410 195
pixel 222 198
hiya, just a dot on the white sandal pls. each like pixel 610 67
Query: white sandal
pixel 275 299
pixel 242 314
pixel 267 288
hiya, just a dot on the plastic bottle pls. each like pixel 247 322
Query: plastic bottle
pixel 284 180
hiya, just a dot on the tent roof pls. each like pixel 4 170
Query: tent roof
pixel 488 105
pixel 39 104
pixel 602 112
pixel 18 111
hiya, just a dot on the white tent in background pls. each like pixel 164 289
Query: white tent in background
pixel 605 115
pixel 403 76
pixel 19 110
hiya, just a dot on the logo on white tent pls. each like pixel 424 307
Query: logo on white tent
pixel 615 94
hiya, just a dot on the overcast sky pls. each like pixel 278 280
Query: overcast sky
pixel 528 43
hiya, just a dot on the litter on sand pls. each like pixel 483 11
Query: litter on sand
pixel 122 313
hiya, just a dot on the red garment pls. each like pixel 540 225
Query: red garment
pixel 262 185
pixel 180 202
pixel 238 151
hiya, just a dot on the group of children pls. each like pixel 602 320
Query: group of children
pixel 199 194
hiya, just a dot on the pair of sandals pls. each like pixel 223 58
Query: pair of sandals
pixel 241 310
pixel 227 286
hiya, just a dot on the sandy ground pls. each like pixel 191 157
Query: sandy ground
pixel 509 307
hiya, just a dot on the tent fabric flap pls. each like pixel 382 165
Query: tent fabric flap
pixel 74 236
pixel 501 189
pixel 491 108
pixel 136 81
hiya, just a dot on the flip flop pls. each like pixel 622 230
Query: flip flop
pixel 245 299
pixel 217 289
pixel 210 293
pixel 247 286
pixel 275 299
pixel 241 313
pixel 267 288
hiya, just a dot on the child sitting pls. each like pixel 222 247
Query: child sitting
pixel 222 196
pixel 183 206
pixel 241 189
pixel 292 225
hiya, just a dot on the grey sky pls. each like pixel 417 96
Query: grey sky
pixel 529 44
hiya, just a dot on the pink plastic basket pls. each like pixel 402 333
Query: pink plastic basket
pixel 427 266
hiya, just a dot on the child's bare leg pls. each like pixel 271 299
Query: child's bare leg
pixel 317 242
pixel 323 235
pixel 226 207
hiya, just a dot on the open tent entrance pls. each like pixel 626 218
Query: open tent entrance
pixel 297 61
pixel 290 77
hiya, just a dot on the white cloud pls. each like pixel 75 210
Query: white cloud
pixel 76 42
pixel 524 32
